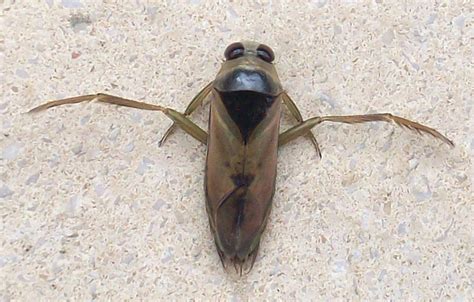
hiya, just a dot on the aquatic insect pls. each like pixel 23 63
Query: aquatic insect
pixel 246 99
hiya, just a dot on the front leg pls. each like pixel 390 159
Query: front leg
pixel 181 120
pixel 306 126
pixel 290 104
pixel 195 103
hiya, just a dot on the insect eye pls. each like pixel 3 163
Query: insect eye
pixel 265 53
pixel 234 51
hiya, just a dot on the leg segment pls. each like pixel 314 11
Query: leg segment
pixel 303 128
pixel 195 103
pixel 178 118
pixel 297 115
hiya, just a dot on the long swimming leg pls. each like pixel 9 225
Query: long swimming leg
pixel 304 127
pixel 180 119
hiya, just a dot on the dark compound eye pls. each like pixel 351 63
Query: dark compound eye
pixel 265 53
pixel 234 51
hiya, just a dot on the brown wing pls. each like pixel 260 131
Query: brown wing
pixel 240 178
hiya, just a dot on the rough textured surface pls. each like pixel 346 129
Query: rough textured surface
pixel 90 207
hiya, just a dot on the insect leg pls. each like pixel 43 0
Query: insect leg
pixel 295 112
pixel 195 103
pixel 181 120
pixel 303 128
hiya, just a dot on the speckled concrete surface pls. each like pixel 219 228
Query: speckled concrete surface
pixel 91 208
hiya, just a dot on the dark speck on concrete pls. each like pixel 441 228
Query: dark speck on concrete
pixel 79 21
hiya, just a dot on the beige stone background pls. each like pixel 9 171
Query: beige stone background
pixel 92 208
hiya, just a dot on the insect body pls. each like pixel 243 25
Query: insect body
pixel 242 150
pixel 246 101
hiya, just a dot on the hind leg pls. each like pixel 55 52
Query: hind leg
pixel 306 126
pixel 180 119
